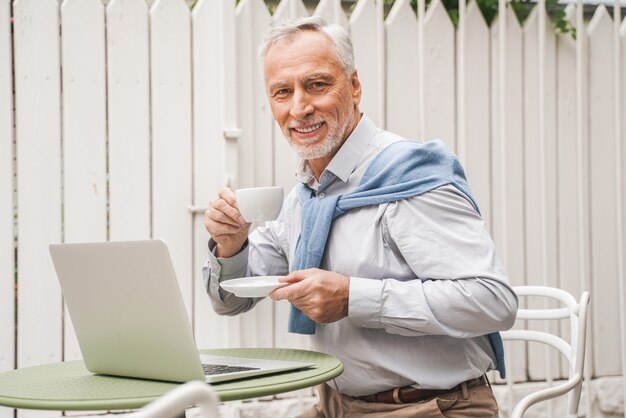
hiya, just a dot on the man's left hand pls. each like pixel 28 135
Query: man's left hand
pixel 322 295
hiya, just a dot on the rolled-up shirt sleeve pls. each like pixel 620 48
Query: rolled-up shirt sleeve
pixel 262 255
pixel 459 288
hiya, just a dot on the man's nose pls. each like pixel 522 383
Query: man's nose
pixel 301 106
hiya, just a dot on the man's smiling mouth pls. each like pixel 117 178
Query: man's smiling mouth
pixel 308 129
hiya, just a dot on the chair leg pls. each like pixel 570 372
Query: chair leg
pixel 573 400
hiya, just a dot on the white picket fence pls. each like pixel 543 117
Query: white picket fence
pixel 126 119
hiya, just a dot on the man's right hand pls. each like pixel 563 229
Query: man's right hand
pixel 225 224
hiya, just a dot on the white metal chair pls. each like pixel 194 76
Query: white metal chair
pixel 574 351
pixel 174 402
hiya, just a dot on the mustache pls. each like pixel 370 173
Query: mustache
pixel 303 123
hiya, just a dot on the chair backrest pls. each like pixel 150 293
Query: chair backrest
pixel 573 351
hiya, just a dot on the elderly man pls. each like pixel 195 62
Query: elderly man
pixel 390 266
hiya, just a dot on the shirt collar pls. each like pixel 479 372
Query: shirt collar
pixel 347 157
pixel 305 174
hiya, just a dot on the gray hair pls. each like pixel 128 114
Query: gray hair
pixel 288 28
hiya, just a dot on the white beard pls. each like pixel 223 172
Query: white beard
pixel 332 142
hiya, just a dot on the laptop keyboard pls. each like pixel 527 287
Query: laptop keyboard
pixel 213 369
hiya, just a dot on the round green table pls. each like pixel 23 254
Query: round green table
pixel 70 386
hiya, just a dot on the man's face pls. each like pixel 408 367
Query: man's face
pixel 312 98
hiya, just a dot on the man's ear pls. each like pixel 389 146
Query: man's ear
pixel 356 88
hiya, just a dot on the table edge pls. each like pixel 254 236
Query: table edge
pixel 138 402
pixel 259 391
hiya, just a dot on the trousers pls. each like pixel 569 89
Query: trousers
pixel 475 402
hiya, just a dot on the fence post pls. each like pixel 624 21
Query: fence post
pixel 7 236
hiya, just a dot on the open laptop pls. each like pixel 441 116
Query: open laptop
pixel 130 319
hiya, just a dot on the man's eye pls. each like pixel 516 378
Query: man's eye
pixel 318 84
pixel 281 92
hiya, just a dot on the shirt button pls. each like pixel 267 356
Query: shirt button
pixel 321 195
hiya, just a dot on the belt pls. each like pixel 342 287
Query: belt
pixel 410 394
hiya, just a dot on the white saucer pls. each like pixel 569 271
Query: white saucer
pixel 252 287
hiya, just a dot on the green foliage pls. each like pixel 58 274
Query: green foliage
pixel 522 9
pixel 489 9
pixel 561 23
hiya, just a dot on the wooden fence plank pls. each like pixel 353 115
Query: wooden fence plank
pixel 38 150
pixel 170 63
pixel 228 58
pixel 508 168
pixel 38 123
pixel 540 180
pixel 602 186
pixel 290 9
pixel 619 25
pixel 255 145
pixel 570 191
pixel 128 93
pixel 332 11
pixel 228 61
pixel 208 162
pixel 477 155
pixel 439 75
pixel 210 171
pixel 7 236
pixel 254 113
pixel 622 33
pixel 402 82
pixel 84 132
pixel 367 32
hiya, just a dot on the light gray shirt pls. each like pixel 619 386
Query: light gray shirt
pixel 426 284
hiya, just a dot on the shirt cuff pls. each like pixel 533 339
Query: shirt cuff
pixel 365 302
pixel 228 268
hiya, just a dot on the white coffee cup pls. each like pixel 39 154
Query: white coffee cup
pixel 258 204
